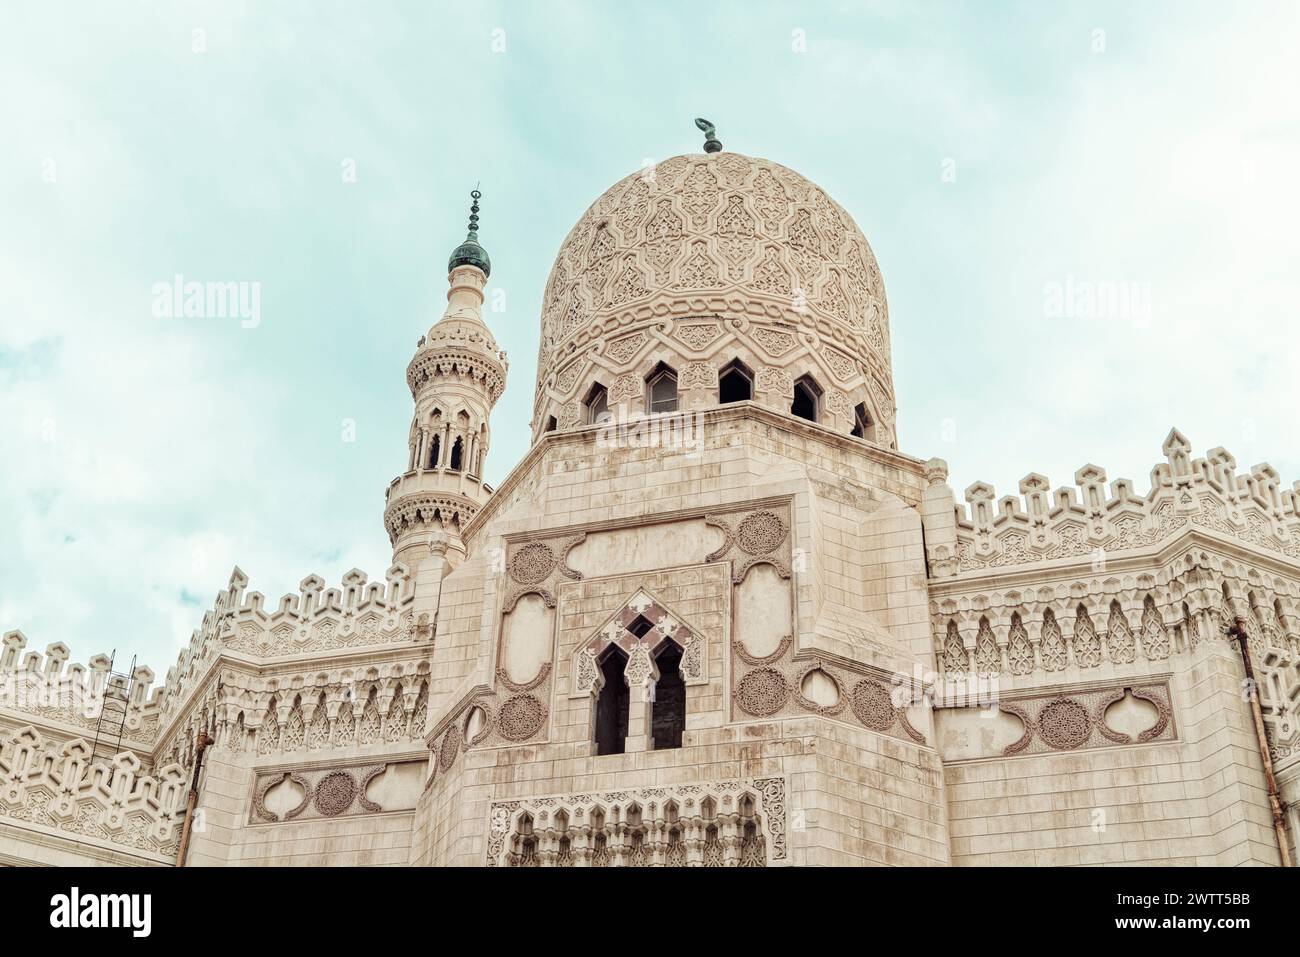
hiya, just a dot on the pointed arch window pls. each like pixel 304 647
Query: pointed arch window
pixel 807 399
pixel 661 390
pixel 735 383
pixel 457 454
pixel 611 706
pixel 861 421
pixel 597 405
pixel 435 448
pixel 668 719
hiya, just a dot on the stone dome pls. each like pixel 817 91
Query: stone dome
pixel 706 258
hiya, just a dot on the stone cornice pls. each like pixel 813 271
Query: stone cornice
pixel 733 412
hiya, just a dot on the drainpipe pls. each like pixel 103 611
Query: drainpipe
pixel 1238 631
pixel 200 745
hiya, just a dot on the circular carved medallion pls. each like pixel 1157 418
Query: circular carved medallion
pixel 520 717
pixel 760 533
pixel 762 692
pixel 450 748
pixel 1064 724
pixel 335 793
pixel 532 563
pixel 873 705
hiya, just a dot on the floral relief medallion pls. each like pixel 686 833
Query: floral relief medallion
pixel 335 793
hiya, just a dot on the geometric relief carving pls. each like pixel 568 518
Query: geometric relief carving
pixel 329 792
pixel 873 705
pixel 757 538
pixel 698 335
pixel 520 717
pixel 697 824
pixel 1077 720
pixel 762 692
pixel 335 793
pixel 641 645
pixel 758 234
pixel 532 563
pixel 761 532
pixel 1064 724
pixel 775 685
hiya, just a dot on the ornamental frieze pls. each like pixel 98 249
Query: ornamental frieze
pixel 739 823
pixel 781 685
pixel 1081 720
pixel 302 794
pixel 63 791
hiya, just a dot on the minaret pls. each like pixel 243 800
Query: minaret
pixel 456 377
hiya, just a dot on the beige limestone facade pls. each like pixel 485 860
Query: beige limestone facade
pixel 714 617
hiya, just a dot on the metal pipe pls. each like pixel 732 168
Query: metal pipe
pixel 200 745
pixel 1238 631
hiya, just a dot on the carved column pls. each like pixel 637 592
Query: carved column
pixel 641 675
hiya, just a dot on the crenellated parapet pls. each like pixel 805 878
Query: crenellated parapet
pixel 358 615
pixel 57 791
pixel 1099 522
pixel 295 712
pixel 67 698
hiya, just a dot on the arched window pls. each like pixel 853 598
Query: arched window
pixel 669 716
pixel 597 405
pixel 661 390
pixel 807 397
pixel 457 453
pixel 435 447
pixel 611 706
pixel 861 421
pixel 735 383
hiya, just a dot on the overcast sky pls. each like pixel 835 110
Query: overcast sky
pixel 1005 160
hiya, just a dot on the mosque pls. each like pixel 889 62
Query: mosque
pixel 716 616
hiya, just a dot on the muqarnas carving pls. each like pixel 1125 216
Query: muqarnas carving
pixel 717 824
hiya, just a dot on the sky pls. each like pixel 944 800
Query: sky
pixel 1009 163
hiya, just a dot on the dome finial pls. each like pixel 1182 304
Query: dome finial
pixel 470 253
pixel 711 142
pixel 475 195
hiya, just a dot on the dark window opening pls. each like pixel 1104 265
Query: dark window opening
pixel 611 706
pixel 669 717
pixel 457 453
pixel 551 423
pixel 434 448
pixel 640 626
pixel 861 421
pixel 735 384
pixel 805 399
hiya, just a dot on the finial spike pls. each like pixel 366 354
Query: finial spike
pixel 711 142
pixel 470 253
pixel 475 195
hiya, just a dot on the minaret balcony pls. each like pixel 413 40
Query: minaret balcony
pixel 443 481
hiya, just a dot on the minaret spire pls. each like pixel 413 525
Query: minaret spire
pixel 470 253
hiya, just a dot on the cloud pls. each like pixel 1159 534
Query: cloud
pixel 142 458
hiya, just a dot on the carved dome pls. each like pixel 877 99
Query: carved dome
pixel 709 257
